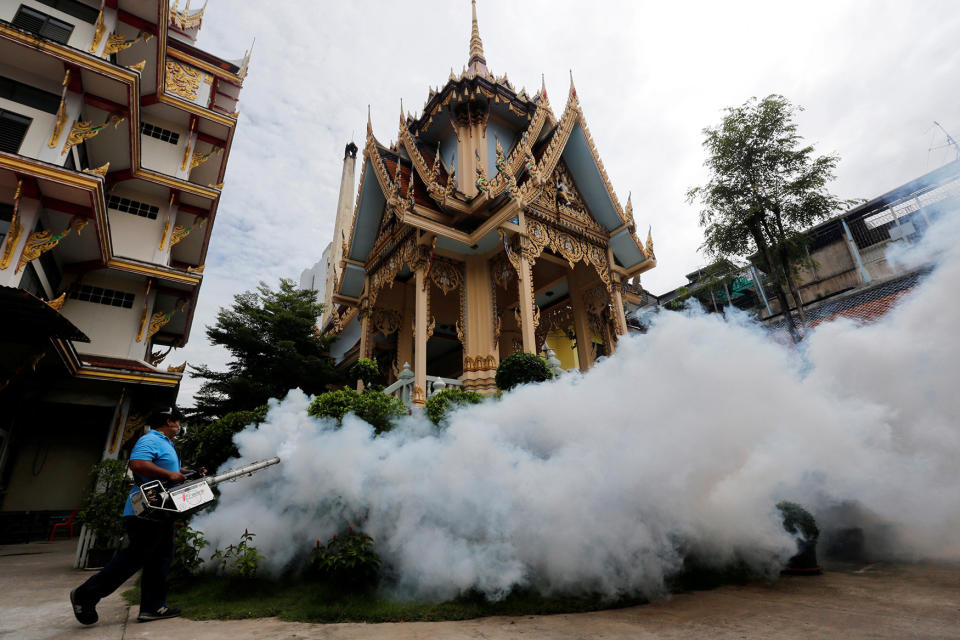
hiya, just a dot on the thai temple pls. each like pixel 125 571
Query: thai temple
pixel 115 131
pixel 489 227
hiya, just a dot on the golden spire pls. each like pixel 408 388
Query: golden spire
pixel 477 64
pixel 476 44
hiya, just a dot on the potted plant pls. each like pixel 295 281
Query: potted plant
pixel 102 509
pixel 798 522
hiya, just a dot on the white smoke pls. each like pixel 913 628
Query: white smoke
pixel 682 442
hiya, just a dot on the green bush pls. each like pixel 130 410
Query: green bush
pixel 210 445
pixel 240 560
pixel 102 506
pixel 367 370
pixel 348 561
pixel 521 368
pixel 187 545
pixel 375 407
pixel 798 521
pixel 440 404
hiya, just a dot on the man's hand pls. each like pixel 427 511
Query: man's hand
pixel 175 476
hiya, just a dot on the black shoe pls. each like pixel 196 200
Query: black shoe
pixel 86 613
pixel 160 614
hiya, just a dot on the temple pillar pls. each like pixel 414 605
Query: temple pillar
pixel 619 318
pixel 480 350
pixel 581 322
pixel 471 129
pixel 405 333
pixel 526 303
pixel 420 336
pixel 366 337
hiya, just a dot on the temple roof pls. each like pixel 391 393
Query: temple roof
pixel 407 180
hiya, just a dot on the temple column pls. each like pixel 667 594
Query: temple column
pixel 420 336
pixel 581 322
pixel 619 318
pixel 405 334
pixel 363 315
pixel 480 351
pixel 525 300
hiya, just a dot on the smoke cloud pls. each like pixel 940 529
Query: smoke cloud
pixel 682 442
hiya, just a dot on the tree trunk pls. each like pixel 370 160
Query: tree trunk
pixel 785 264
pixel 757 234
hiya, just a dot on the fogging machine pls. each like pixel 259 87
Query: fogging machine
pixel 156 501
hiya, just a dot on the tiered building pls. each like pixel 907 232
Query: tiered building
pixel 489 227
pixel 114 135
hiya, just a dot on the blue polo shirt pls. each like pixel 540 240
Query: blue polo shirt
pixel 153 447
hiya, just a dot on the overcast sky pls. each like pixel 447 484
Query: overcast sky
pixel 871 76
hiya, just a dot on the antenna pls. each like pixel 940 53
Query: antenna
pixel 950 141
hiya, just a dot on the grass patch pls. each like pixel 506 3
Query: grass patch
pixel 217 598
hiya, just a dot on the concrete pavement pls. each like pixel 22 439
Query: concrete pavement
pixel 874 601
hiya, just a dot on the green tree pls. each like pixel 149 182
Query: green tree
pixel 209 445
pixel 764 188
pixel 274 345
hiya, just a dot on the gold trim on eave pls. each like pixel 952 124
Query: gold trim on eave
pixel 85 372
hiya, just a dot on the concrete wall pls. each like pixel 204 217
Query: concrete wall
pixel 162 156
pixel 134 236
pixel 52 456
pixel 112 330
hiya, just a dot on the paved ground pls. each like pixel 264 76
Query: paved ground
pixel 875 601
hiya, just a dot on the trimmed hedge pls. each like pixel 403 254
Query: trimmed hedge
pixel 521 368
pixel 798 521
pixel 443 402
pixel 375 407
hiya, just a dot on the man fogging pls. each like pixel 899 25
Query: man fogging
pixel 161 493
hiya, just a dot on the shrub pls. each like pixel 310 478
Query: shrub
pixel 366 369
pixel 798 521
pixel 241 560
pixel 187 545
pixel 210 445
pixel 521 368
pixel 440 404
pixel 102 506
pixel 333 404
pixel 375 407
pixel 348 561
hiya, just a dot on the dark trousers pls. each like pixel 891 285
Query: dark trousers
pixel 151 548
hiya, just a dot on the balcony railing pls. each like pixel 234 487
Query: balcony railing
pixel 403 387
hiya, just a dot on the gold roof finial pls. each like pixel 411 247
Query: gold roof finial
pixel 369 122
pixel 476 44
pixel 477 63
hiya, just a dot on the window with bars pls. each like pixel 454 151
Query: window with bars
pixel 13 129
pixel 29 96
pixel 74 8
pixel 165 135
pixel 43 25
pixel 126 205
pixel 99 295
